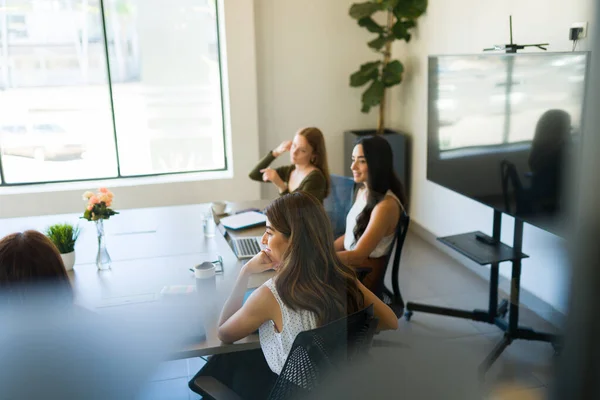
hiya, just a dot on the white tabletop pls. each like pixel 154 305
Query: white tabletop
pixel 152 248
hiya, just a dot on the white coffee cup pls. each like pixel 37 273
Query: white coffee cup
pixel 204 270
pixel 218 207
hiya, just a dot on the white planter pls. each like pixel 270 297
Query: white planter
pixel 68 260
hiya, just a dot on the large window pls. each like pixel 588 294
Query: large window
pixel 94 89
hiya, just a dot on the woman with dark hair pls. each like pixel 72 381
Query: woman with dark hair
pixel 308 172
pixel 31 265
pixel 299 247
pixel 372 220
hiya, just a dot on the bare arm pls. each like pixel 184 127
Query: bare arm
pixel 258 309
pixel 387 318
pixel 338 245
pixel 384 214
pixel 239 319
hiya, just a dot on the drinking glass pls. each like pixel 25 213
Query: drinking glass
pixel 209 225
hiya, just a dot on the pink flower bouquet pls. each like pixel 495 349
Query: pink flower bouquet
pixel 98 205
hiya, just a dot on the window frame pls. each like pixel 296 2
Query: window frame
pixel 111 180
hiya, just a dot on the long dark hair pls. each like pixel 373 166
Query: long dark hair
pixel 315 139
pixel 30 264
pixel 381 178
pixel 311 276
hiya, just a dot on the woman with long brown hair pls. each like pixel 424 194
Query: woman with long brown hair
pixel 311 288
pixel 308 171
pixel 30 265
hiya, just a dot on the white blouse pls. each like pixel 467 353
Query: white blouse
pixel 277 345
pixel 385 244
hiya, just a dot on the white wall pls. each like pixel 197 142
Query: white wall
pixel 306 52
pixel 242 126
pixel 468 26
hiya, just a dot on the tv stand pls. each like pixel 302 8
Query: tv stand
pixel 486 250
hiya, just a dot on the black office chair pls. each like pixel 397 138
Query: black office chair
pixel 392 298
pixel 314 354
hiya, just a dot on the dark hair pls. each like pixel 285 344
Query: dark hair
pixel 551 137
pixel 29 262
pixel 311 276
pixel 315 139
pixel 381 178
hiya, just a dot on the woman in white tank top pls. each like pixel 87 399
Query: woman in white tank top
pixel 371 222
pixel 299 247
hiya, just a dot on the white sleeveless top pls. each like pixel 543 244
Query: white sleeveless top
pixel 277 345
pixel 385 244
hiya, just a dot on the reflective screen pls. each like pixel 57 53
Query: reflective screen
pixel 502 129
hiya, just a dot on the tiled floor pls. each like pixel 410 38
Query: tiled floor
pixel 427 276
pixel 170 381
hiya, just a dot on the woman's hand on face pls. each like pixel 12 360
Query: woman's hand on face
pixel 269 174
pixel 259 263
pixel 282 148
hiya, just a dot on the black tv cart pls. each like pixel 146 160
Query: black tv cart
pixel 489 250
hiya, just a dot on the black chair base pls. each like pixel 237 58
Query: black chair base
pixel 475 315
pixel 498 319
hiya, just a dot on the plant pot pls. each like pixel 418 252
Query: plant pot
pixel 68 260
pixel 400 143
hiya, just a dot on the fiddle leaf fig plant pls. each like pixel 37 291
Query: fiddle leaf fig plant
pixel 380 75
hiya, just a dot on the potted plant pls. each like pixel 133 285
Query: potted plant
pixel 64 237
pixel 381 74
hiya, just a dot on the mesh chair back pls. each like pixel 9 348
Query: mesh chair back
pixel 317 352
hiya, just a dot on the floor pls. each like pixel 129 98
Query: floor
pixel 170 381
pixel 429 276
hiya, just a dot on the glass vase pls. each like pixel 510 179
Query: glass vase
pixel 102 258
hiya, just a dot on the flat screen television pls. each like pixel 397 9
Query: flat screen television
pixel 503 129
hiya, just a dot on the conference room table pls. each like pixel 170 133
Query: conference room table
pixel 152 248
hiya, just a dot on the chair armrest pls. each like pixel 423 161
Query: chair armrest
pixel 211 388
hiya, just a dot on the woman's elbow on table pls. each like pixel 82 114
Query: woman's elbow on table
pixel 225 336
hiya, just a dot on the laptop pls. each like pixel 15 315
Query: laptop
pixel 243 247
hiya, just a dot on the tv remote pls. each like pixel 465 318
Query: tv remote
pixel 486 239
